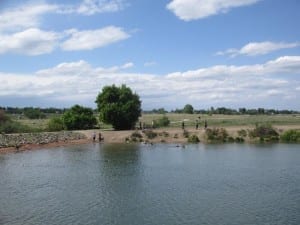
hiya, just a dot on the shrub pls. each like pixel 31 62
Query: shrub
pixel 291 136
pixel 264 132
pixel 55 124
pixel 79 117
pixel 216 134
pixel 136 134
pixel 239 139
pixel 162 122
pixel 242 133
pixel 150 134
pixel 193 139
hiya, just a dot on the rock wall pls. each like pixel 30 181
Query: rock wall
pixel 16 140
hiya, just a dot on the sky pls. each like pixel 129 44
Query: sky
pixel 220 53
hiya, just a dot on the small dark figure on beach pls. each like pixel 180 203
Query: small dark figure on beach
pixel 100 137
pixel 205 124
pixel 140 125
pixel 197 124
pixel 94 136
pixel 182 125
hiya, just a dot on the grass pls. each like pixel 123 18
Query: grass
pixel 224 120
pixel 190 120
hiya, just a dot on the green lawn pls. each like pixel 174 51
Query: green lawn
pixel 190 120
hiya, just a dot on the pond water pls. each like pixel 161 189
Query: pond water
pixel 160 184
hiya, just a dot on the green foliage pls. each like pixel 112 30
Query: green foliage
pixel 188 108
pixel 150 134
pixel 34 113
pixel 292 136
pixel 8 126
pixel 162 122
pixel 216 134
pixel 119 106
pixel 264 133
pixel 79 118
pixel 193 139
pixel 55 124
pixel 242 133
pixel 135 137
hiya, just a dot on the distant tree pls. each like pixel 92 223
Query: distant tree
pixel 188 108
pixel 119 106
pixel 33 113
pixel 79 118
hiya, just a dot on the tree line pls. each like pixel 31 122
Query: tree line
pixel 189 109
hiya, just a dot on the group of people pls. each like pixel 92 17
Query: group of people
pixel 197 124
pixel 100 138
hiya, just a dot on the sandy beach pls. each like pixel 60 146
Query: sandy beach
pixel 164 135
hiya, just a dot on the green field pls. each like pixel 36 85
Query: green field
pixel 190 120
pixel 224 120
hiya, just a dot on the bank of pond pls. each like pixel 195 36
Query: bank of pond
pixel 260 134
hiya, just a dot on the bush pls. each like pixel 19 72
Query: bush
pixel 162 122
pixel 79 118
pixel 265 133
pixel 8 126
pixel 55 124
pixel 150 134
pixel 291 136
pixel 193 139
pixel 136 135
pixel 242 133
pixel 216 134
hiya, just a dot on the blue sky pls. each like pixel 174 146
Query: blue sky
pixel 232 53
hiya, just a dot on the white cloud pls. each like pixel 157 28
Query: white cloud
pixel 24 16
pixel 29 42
pixel 224 85
pixel 259 48
pixel 197 9
pixel 91 39
pixel 127 65
pixel 30 14
pixel 90 7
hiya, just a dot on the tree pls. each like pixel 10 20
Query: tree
pixel 188 108
pixel 79 117
pixel 119 107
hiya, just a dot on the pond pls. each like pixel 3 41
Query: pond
pixel 152 184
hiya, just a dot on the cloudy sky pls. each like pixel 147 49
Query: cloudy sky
pixel 232 53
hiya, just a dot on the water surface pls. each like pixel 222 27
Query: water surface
pixel 160 184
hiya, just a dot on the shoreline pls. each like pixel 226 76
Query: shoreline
pixel 164 135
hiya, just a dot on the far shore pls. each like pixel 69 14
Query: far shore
pixel 175 136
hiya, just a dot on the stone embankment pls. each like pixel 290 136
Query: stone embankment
pixel 18 140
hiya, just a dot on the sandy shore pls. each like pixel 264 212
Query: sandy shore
pixel 174 135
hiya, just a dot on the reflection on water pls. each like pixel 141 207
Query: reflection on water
pixel 160 184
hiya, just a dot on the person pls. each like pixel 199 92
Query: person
pixel 205 124
pixel 100 137
pixel 182 125
pixel 94 136
pixel 140 125
pixel 197 125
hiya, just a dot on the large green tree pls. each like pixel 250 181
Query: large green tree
pixel 188 108
pixel 79 118
pixel 119 106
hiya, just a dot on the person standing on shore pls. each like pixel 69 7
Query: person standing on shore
pixel 182 125
pixel 94 136
pixel 205 124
